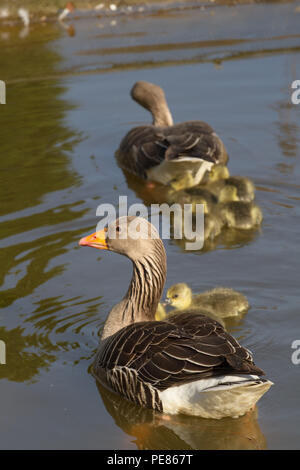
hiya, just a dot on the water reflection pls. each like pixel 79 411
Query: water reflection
pixel 39 338
pixel 51 297
pixel 287 124
pixel 24 361
pixel 156 431
pixel 35 233
pixel 69 28
pixel 34 138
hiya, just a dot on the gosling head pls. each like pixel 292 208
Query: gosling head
pixel 218 172
pixel 179 296
pixel 133 237
pixel 182 181
pixel 228 194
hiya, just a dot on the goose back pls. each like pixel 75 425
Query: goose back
pixel 146 358
pixel 148 146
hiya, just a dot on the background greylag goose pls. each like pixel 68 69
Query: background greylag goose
pixel 161 151
pixel 187 364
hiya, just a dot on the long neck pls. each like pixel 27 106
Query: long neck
pixel 143 295
pixel 161 114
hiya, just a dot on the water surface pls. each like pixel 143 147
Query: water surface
pixel 68 106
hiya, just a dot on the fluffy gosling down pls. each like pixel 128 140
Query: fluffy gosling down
pixel 229 188
pixel 227 200
pixel 241 215
pixel 221 301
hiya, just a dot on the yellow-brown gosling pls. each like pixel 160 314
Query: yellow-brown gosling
pixel 221 187
pixel 232 188
pixel 244 190
pixel 241 215
pixel 223 302
pixel 193 195
pixel 218 172
pixel 213 224
pixel 160 313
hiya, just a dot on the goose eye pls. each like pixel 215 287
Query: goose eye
pixel 118 229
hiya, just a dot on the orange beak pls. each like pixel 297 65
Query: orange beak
pixel 95 240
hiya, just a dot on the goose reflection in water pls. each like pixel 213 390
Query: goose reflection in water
pixel 156 431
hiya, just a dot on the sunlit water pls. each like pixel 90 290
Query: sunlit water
pixel 67 108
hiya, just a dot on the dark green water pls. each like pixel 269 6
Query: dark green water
pixel 67 108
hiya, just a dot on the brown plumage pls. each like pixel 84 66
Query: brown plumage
pixel 186 348
pixel 140 358
pixel 148 146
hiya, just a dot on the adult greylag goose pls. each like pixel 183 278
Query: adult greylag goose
pixel 160 151
pixel 187 364
pixel 223 302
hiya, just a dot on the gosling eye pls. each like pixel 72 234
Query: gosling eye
pixel 175 296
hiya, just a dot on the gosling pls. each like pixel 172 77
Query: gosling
pixel 221 301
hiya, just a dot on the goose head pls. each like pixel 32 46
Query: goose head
pixel 152 97
pixel 137 239
pixel 132 236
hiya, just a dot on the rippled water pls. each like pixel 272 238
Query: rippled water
pixel 67 108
